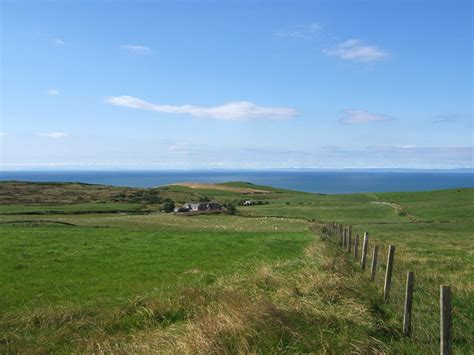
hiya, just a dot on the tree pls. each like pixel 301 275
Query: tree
pixel 168 206
pixel 231 209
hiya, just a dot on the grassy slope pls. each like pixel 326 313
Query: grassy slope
pixel 297 305
pixel 25 193
pixel 98 266
pixel 433 238
pixel 54 275
pixel 73 208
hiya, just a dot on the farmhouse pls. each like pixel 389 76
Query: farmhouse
pixel 199 206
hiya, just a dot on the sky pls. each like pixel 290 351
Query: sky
pixel 236 84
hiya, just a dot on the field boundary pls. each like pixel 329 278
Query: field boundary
pixel 341 236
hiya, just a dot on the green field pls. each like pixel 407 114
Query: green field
pixel 103 270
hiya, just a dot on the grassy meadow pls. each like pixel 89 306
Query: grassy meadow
pixel 91 268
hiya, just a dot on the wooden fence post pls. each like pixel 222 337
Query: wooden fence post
pixel 388 272
pixel 445 319
pixel 342 235
pixel 373 269
pixel 356 246
pixel 408 304
pixel 349 238
pixel 363 259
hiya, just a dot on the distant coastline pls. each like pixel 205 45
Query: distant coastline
pixel 157 170
pixel 318 181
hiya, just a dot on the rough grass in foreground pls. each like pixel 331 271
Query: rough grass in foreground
pixel 318 302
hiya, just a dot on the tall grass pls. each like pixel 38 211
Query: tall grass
pixel 318 302
pixel 430 272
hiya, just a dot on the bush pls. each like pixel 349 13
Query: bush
pixel 231 209
pixel 168 206
pixel 152 198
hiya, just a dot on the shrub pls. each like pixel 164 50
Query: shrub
pixel 168 206
pixel 231 209
pixel 153 198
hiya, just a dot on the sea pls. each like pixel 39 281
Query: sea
pixel 328 182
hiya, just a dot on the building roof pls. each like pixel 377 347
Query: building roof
pixel 198 204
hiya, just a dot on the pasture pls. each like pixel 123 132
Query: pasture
pixel 109 272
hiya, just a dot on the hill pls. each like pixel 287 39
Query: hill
pixel 93 268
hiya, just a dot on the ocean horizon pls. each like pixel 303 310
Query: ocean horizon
pixel 315 181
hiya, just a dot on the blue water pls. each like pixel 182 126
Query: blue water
pixel 310 181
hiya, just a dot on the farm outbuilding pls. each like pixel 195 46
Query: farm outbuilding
pixel 199 206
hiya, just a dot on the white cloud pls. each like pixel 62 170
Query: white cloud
pixel 179 147
pixel 301 31
pixel 54 135
pixel 135 49
pixel 230 111
pixel 362 116
pixel 53 92
pixel 354 50
pixel 3 134
pixel 58 42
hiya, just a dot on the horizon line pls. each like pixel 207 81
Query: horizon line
pixel 117 169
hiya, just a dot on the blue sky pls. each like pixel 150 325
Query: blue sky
pixel 236 84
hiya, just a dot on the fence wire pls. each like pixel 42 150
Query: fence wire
pixel 425 319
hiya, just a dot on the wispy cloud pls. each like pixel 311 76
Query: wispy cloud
pixel 439 157
pixel 355 50
pixel 301 31
pixel 230 111
pixel 54 135
pixel 401 156
pixel 452 118
pixel 135 49
pixel 179 147
pixel 408 146
pixel 361 117
pixel 3 134
pixel 53 92
pixel 58 41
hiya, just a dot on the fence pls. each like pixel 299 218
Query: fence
pixel 342 236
